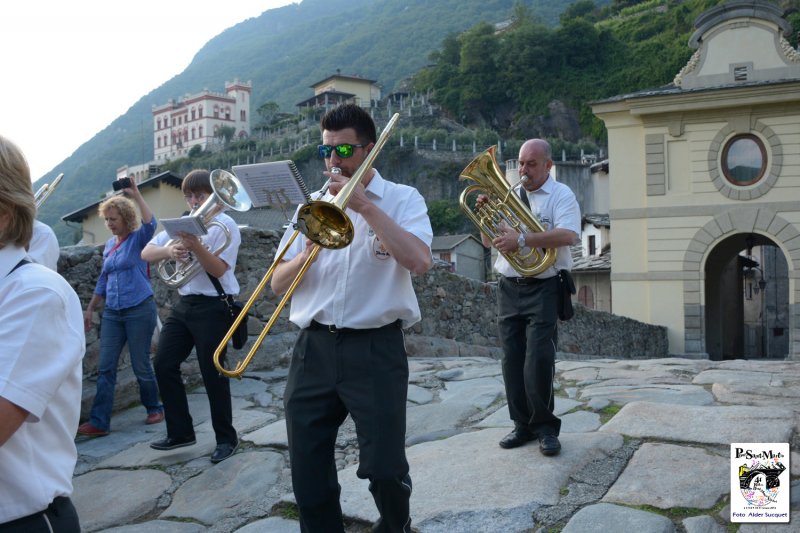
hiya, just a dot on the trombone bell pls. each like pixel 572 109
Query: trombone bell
pixel 325 224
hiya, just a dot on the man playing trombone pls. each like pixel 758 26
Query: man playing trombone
pixel 352 306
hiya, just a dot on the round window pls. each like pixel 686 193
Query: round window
pixel 744 160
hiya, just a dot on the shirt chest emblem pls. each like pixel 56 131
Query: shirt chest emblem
pixel 379 250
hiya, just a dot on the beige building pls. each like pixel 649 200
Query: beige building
pixel 339 89
pixel 705 172
pixel 161 192
pixel 195 120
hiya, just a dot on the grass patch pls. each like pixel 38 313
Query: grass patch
pixel 287 510
pixel 608 412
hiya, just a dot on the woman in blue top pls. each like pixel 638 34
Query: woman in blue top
pixel 130 312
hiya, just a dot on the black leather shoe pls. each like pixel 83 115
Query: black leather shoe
pixel 223 451
pixel 549 445
pixel 171 443
pixel 516 438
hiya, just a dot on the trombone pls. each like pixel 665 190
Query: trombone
pixel 46 190
pixel 325 224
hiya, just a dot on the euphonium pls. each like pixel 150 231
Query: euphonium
pixel 46 190
pixel 326 225
pixel 504 209
pixel 228 193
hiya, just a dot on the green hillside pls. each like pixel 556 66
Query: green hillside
pixel 282 52
pixel 534 77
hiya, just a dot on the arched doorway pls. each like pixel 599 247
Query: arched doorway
pixel 746 299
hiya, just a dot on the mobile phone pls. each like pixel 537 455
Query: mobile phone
pixel 122 183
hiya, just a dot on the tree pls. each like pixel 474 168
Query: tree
pixel 225 133
pixel 268 111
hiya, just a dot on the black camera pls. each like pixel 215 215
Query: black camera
pixel 122 183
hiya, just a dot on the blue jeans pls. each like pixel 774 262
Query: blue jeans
pixel 133 325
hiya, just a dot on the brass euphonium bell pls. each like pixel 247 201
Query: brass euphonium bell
pixel 504 209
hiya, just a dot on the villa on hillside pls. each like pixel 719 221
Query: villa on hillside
pixel 195 120
pixel 340 89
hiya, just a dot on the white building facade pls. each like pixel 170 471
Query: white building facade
pixel 195 120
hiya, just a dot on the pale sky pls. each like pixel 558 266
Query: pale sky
pixel 59 56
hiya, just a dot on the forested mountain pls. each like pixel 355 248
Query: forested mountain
pixel 282 52
pixel 548 60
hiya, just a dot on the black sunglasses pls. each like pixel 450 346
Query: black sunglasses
pixel 343 150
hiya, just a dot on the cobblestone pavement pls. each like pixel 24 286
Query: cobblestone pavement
pixel 645 447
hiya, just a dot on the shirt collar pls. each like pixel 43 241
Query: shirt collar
pixel 377 185
pixel 10 255
pixel 547 186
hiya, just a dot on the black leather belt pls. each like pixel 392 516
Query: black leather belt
pixel 526 280
pixel 316 326
pixel 54 508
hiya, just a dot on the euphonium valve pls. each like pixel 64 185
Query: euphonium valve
pixel 504 209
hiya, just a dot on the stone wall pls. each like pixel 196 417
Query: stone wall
pixel 458 318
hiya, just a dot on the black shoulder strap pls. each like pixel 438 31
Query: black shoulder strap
pixel 524 197
pixel 217 286
pixel 21 262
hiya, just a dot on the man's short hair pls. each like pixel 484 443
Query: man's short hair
pixel 196 181
pixel 350 116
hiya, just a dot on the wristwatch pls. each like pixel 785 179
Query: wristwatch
pixel 521 240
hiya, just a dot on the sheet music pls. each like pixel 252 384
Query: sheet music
pixel 184 224
pixel 276 183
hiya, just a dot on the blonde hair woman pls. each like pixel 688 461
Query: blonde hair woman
pixel 130 312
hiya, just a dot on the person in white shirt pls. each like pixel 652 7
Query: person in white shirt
pixel 200 320
pixel 44 246
pixel 41 349
pixel 527 305
pixel 349 358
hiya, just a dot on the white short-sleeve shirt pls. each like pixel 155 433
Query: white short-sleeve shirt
pixel 200 283
pixel 555 206
pixel 41 348
pixel 362 286
pixel 44 246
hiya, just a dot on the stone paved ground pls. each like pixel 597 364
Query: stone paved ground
pixel 645 447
